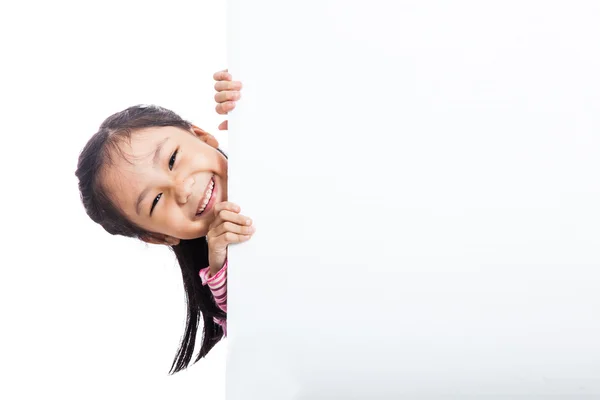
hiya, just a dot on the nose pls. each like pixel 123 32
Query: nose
pixel 183 189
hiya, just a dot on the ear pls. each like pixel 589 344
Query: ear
pixel 160 239
pixel 205 136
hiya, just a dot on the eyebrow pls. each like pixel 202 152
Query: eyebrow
pixel 155 159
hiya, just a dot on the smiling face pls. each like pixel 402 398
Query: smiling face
pixel 168 180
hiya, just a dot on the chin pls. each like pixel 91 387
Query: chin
pixel 190 235
pixel 197 235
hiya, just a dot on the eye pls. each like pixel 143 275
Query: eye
pixel 172 160
pixel 154 203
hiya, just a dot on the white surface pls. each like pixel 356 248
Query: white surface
pixel 423 176
pixel 86 315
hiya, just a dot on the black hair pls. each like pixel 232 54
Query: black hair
pixel 192 255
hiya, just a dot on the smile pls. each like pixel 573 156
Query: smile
pixel 207 200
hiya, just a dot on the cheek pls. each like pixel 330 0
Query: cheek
pixel 222 163
pixel 192 231
pixel 176 224
pixel 173 219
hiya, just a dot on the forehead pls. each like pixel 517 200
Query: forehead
pixel 143 141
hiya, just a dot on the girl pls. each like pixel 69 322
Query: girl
pixel 149 174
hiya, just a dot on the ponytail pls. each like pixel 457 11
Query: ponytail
pixel 193 256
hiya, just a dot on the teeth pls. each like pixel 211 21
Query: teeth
pixel 207 196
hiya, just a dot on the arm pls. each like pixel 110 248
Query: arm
pixel 217 284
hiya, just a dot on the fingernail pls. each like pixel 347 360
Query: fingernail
pixel 248 222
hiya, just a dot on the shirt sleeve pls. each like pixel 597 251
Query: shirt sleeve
pixel 217 285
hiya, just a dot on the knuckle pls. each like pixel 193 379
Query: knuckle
pixel 229 236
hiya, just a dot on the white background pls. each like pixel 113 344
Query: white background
pixel 426 197
pixel 85 315
pixel 487 288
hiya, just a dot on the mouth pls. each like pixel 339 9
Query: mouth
pixel 208 199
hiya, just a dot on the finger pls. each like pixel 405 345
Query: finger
pixel 223 126
pixel 221 212
pixel 226 206
pixel 228 95
pixel 230 216
pixel 228 238
pixel 228 85
pixel 220 243
pixel 233 228
pixel 224 108
pixel 222 75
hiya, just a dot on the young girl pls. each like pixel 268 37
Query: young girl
pixel 149 174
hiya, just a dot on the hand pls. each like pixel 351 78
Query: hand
pixel 228 227
pixel 228 92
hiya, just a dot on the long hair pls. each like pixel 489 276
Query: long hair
pixel 192 255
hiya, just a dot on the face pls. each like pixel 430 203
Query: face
pixel 168 181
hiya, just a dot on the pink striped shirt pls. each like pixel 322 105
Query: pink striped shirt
pixel 218 286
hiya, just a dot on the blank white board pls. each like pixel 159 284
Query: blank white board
pixel 424 180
